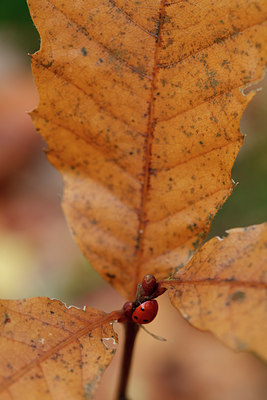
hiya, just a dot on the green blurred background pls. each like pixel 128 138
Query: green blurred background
pixel 15 20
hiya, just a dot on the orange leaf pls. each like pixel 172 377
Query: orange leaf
pixel 49 350
pixel 140 104
pixel 223 289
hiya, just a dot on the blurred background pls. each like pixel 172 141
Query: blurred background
pixel 39 258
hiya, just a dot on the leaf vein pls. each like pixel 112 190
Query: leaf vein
pixel 100 149
pixel 37 319
pixel 148 150
pixel 187 206
pixel 219 40
pixel 198 155
pixel 105 48
pixel 206 100
pixel 101 109
pixel 131 19
pixel 59 346
pixel 220 282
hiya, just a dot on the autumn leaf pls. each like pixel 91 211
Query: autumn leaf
pixel 140 104
pixel 223 289
pixel 49 350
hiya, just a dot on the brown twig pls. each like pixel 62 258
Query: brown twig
pixel 131 329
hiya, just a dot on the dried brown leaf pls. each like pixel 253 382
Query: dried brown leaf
pixel 51 351
pixel 140 104
pixel 223 289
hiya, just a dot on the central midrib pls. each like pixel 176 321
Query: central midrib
pixel 148 151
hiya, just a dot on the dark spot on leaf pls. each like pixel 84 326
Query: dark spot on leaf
pixel 238 296
pixel 7 319
pixel 84 51
pixel 47 65
pixel 152 171
pixel 111 276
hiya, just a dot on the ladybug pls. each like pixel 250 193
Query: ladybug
pixel 146 312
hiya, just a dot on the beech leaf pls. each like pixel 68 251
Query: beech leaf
pixel 223 289
pixel 140 104
pixel 51 351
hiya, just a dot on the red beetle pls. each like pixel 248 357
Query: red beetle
pixel 146 312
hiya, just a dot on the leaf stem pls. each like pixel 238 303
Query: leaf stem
pixel 131 329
